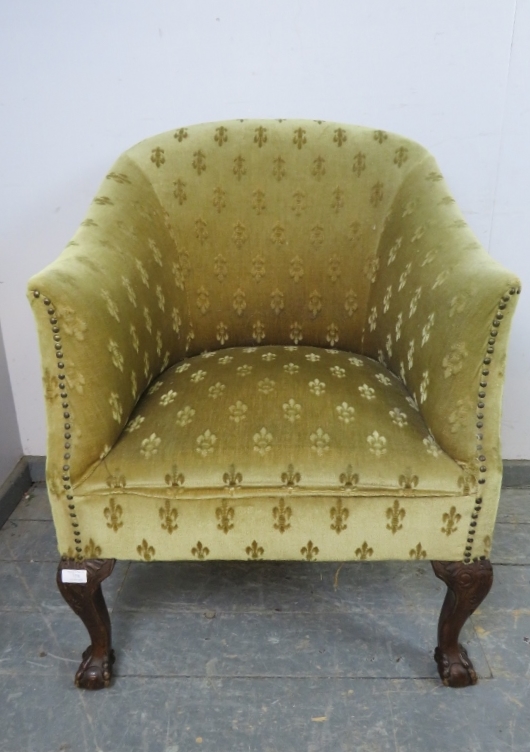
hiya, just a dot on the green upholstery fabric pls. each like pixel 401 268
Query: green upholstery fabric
pixel 262 316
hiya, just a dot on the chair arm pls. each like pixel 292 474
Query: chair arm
pixel 111 315
pixel 439 315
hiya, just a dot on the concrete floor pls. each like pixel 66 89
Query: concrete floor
pixel 262 656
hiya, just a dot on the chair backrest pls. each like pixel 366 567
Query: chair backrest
pixel 276 225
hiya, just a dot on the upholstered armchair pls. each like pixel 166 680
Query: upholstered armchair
pixel 274 340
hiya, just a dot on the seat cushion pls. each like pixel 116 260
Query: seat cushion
pixel 260 421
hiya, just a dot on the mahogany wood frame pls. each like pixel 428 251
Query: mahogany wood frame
pixel 467 586
pixel 87 601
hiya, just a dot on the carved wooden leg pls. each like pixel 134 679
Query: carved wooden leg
pixel 467 586
pixel 80 586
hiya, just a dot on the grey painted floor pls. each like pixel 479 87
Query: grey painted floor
pixel 261 656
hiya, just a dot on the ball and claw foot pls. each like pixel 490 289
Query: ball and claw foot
pixel 467 586
pixel 456 670
pixel 81 589
pixel 94 672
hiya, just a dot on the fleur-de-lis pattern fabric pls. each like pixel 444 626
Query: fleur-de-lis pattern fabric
pixel 279 220
pixel 321 411
pixel 440 311
pixel 344 312
pixel 120 308
pixel 337 526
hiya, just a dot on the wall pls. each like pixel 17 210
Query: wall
pixel 10 447
pixel 83 81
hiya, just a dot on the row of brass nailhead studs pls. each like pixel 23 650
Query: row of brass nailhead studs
pixel 67 426
pixel 480 420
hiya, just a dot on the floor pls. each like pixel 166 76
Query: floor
pixel 262 656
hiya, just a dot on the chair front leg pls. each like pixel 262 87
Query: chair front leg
pixel 467 586
pixel 80 586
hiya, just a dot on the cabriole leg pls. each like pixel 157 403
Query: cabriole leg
pixel 80 586
pixel 467 586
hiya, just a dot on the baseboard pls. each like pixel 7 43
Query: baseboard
pixel 515 473
pixel 37 467
pixel 13 488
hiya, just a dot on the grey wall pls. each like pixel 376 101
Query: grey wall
pixel 10 446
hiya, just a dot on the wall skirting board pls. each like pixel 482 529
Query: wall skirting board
pixel 32 469
pixel 515 473
pixel 37 468
pixel 12 489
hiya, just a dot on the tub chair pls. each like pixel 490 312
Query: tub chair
pixel 274 340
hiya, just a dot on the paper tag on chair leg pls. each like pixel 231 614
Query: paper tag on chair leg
pixel 77 576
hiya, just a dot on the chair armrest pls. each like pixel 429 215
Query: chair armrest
pixel 111 315
pixel 439 315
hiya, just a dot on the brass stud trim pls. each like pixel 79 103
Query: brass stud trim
pixel 481 395
pixel 56 339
